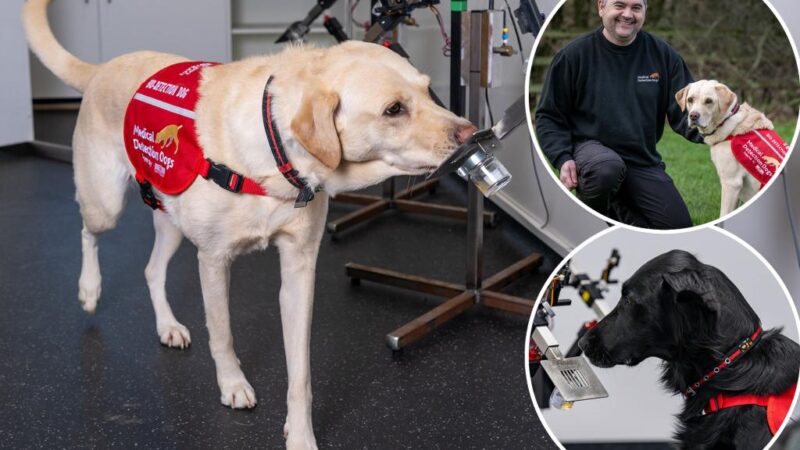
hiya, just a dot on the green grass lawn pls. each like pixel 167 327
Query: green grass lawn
pixel 691 168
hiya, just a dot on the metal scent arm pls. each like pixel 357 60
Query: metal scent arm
pixel 566 379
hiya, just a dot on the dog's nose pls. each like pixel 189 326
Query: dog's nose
pixel 463 133
pixel 694 115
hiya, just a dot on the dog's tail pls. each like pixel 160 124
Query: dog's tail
pixel 62 63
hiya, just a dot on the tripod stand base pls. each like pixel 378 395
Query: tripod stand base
pixel 375 205
pixel 460 298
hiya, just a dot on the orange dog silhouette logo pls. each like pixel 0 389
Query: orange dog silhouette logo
pixel 655 76
pixel 169 135
pixel 771 161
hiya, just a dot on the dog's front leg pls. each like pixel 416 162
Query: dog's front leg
pixel 298 263
pixel 215 280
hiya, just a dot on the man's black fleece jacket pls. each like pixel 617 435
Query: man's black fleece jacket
pixel 617 95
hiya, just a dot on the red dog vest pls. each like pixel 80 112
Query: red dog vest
pixel 161 138
pixel 777 405
pixel 760 152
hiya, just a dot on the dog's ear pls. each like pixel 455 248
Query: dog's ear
pixel 689 288
pixel 726 97
pixel 314 126
pixel 696 313
pixel 680 97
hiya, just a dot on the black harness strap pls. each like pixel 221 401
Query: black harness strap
pixel 276 145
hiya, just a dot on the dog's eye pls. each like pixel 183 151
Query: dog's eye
pixel 394 110
pixel 690 100
pixel 709 101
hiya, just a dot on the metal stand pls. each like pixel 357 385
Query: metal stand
pixel 476 290
pixel 374 205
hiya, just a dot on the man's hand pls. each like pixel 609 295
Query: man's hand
pixel 569 175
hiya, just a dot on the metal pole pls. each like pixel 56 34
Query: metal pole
pixel 456 90
pixel 476 112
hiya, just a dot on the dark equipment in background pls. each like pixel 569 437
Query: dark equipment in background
pixel 390 13
pixel 529 17
pixel 298 30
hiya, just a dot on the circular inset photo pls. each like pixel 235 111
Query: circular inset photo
pixel 664 115
pixel 657 341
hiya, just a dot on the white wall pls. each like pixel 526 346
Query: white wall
pixel 638 408
pixel 16 117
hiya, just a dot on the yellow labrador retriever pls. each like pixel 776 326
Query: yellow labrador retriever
pixel 350 116
pixel 744 149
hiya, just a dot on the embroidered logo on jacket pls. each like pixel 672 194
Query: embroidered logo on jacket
pixel 651 78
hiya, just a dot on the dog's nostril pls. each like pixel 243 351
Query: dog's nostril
pixel 694 115
pixel 463 133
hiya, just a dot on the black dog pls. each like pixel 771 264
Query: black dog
pixel 693 317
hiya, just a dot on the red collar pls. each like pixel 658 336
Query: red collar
pixel 777 405
pixel 733 355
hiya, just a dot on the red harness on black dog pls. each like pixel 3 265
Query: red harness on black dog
pixel 760 152
pixel 777 405
pixel 161 139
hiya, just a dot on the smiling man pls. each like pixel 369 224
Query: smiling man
pixel 603 107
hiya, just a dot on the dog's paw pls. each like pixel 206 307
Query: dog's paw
pixel 174 335
pixel 305 441
pixel 88 297
pixel 238 395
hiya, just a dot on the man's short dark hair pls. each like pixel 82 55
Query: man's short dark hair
pixel 645 3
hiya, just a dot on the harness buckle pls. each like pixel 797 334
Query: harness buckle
pixel 228 179
pixel 148 196
pixel 306 195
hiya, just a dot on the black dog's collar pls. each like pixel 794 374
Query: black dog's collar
pixel 733 355
pixel 733 112
pixel 276 145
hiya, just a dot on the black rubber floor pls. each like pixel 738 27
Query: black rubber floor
pixel 70 380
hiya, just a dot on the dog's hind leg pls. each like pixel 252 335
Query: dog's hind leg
pixel 236 392
pixel 168 239
pixel 101 180
pixel 729 196
pixel 749 189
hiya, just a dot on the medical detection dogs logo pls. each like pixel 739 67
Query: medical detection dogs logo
pixel 652 78
pixel 168 136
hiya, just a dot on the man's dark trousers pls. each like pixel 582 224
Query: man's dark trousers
pixel 635 195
